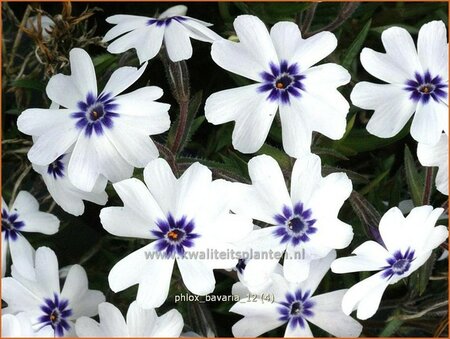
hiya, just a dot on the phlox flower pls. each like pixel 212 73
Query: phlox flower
pixel 303 224
pixel 417 82
pixel 109 132
pixel 408 243
pixel 23 216
pixel 281 64
pixel 293 304
pixel 186 218
pixel 436 156
pixel 146 34
pixel 138 323
pixel 36 292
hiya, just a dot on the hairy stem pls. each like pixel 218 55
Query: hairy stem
pixel 426 197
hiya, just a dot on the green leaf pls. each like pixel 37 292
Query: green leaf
pixel 353 176
pixel 413 178
pixel 356 46
pixel 367 214
pixel 391 328
pixel 328 151
pixel 359 140
pixel 374 183
pixel 419 279
pixel 282 158
pixel 29 84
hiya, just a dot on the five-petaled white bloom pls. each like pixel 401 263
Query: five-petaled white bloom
pixel 295 304
pixel 408 243
pixel 139 323
pixel 146 35
pixel 19 326
pixel 187 218
pixel 37 293
pixel 417 82
pixel 303 224
pixel 23 216
pixel 436 155
pixel 110 132
pixel 63 192
pixel 280 63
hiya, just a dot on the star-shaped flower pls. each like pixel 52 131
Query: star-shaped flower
pixel 147 35
pixel 295 305
pixel 408 245
pixel 109 131
pixel 303 224
pixel 417 82
pixel 281 65
pixel 188 218
pixel 37 293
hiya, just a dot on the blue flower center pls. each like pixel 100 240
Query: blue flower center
pixel 56 312
pixel 399 263
pixel 165 21
pixel 295 225
pixel 296 308
pixel 283 82
pixel 174 236
pixel 96 114
pixel 11 225
pixel 56 168
pixel 425 87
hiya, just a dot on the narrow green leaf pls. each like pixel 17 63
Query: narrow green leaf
pixel 282 158
pixel 356 46
pixel 413 178
pixel 367 214
pixel 374 183
pixel 29 84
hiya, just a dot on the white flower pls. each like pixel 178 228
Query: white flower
pixel 139 323
pixel 39 296
pixel 408 245
pixel 23 216
pixel 296 305
pixel 436 155
pixel 417 82
pixel 280 63
pixel 146 35
pixel 187 217
pixel 63 192
pixel 19 326
pixel 303 223
pixel 109 131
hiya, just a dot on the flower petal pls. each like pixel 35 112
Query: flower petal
pixel 135 147
pixel 268 181
pixel 122 78
pixel 123 222
pixel 314 49
pixel 429 122
pixel 328 315
pixel 365 296
pixel 296 130
pixel 169 325
pixel 306 177
pixel 392 106
pixel 177 42
pixel 25 203
pixel 83 72
pixel 433 49
pixel 138 199
pixel 83 169
pixel 197 275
